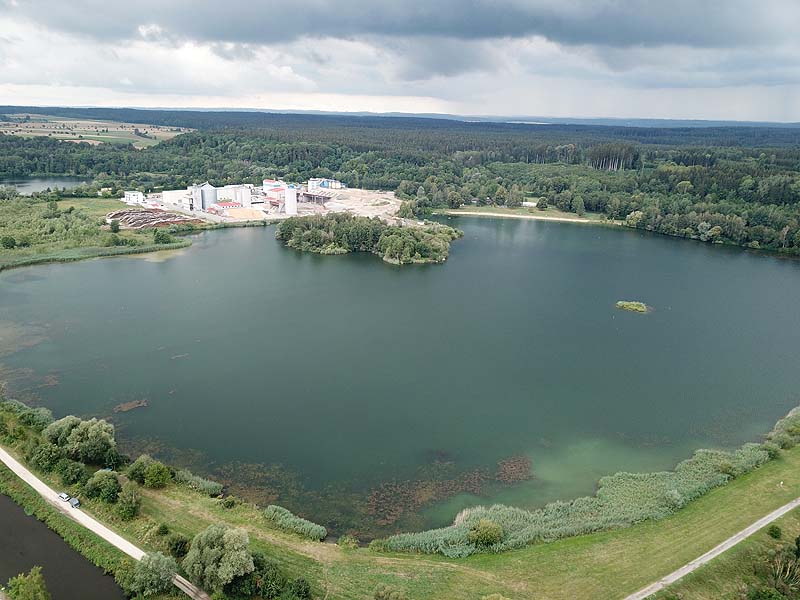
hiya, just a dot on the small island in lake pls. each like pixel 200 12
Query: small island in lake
pixel 633 306
pixel 341 233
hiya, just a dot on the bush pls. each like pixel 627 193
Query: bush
pixel 161 236
pixel 153 574
pixel 137 468
pixel 47 456
pixel 197 483
pixel 287 521
pixel 103 485
pixel 8 242
pixel 177 545
pixel 28 587
pixel 114 226
pixel 266 580
pixel 217 556
pixel 162 530
pixel 37 418
pixel 149 472
pixel 87 441
pixel 229 502
pixel 774 532
pixel 129 501
pixel 72 472
pixel 485 533
pixel 58 432
pixel 773 450
pixel 157 475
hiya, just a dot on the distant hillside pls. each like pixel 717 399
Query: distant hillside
pixel 645 131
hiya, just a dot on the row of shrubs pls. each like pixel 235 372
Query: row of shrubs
pixel 621 500
pixel 68 443
pixel 197 483
pixel 287 521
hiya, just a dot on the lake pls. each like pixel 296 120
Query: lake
pixel 29 185
pixel 26 542
pixel 375 398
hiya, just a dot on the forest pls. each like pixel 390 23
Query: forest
pixel 734 185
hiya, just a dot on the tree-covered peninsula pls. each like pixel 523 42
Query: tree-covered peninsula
pixel 342 233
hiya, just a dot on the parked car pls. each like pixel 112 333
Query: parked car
pixel 64 497
pixel 74 503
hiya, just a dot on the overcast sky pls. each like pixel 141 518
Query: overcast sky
pixel 707 59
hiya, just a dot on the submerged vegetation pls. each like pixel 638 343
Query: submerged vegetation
pixel 633 306
pixel 342 233
pixel 621 500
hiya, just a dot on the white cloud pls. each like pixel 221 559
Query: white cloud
pixel 687 61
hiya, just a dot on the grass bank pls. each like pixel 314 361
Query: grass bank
pixel 74 254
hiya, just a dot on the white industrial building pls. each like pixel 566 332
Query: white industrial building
pixel 133 197
pixel 273 196
pixel 321 183
pixel 239 193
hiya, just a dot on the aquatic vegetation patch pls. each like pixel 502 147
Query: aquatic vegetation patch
pixel 390 501
pixel 288 521
pixel 633 306
pixel 128 406
pixel 197 483
pixel 514 469
pixel 621 500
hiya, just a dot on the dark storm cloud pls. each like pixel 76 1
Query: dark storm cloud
pixel 613 23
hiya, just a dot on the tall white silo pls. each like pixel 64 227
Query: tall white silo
pixel 290 202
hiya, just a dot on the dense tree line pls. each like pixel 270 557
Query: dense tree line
pixel 732 185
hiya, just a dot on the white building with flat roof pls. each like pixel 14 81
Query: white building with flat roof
pixel 133 197
pixel 321 183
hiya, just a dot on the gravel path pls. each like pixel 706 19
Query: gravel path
pixel 714 552
pixel 90 522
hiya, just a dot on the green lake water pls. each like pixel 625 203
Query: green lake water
pixel 313 380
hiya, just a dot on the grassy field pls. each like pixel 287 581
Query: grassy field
pixel 81 236
pixel 728 574
pixel 94 207
pixel 90 131
pixel 604 565
pixel 526 212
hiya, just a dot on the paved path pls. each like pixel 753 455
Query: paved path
pixel 714 552
pixel 90 522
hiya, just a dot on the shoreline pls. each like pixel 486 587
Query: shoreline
pixel 79 253
pixel 533 217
